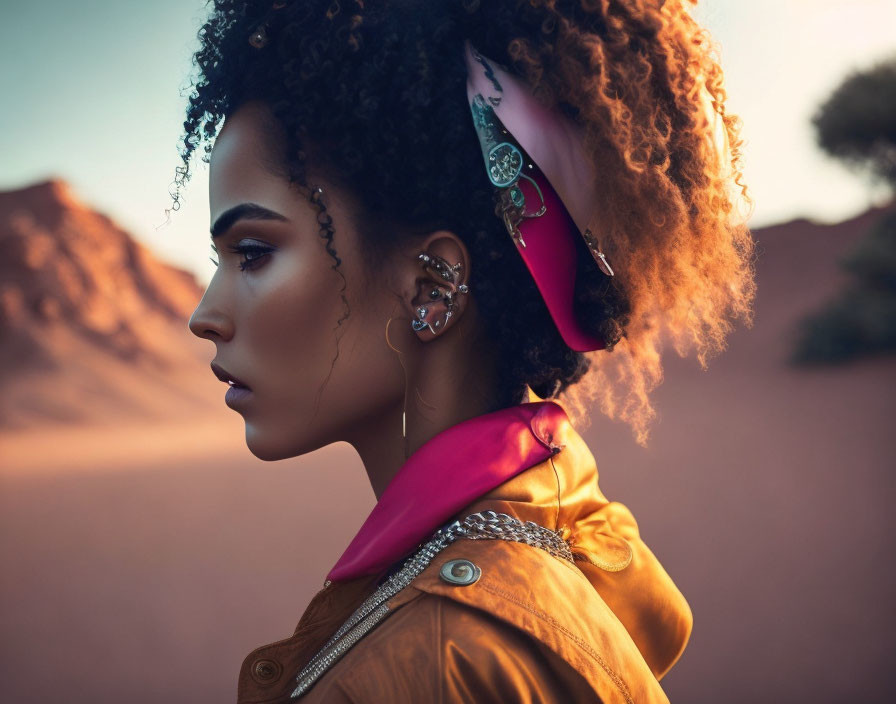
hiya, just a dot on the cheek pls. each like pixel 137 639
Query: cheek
pixel 288 325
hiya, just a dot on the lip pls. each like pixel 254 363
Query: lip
pixel 236 395
pixel 227 377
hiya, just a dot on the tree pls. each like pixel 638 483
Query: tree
pixel 857 124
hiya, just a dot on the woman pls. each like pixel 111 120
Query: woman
pixel 445 230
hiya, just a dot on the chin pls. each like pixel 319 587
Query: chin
pixel 262 447
pixel 269 447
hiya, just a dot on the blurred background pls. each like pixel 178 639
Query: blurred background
pixel 144 552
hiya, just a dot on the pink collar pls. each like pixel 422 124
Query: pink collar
pixel 446 474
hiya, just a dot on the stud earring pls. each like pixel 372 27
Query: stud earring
pixel 420 322
pixel 259 38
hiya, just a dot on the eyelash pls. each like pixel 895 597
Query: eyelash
pixel 249 263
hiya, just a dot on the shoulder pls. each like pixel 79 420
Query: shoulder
pixel 551 603
pixel 435 649
pixel 530 628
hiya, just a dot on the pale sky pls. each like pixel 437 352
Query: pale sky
pixel 90 94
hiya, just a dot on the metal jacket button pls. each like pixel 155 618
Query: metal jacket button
pixel 462 572
pixel 266 671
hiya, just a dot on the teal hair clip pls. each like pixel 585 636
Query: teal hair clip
pixel 504 163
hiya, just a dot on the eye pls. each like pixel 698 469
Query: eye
pixel 252 254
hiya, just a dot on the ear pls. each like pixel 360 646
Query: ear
pixel 435 283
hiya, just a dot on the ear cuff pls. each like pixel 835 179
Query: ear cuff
pixel 435 315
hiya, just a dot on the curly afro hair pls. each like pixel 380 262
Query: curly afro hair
pixel 372 93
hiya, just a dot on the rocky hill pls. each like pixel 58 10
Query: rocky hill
pixel 92 325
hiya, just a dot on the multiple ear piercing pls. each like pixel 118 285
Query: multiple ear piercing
pixel 442 302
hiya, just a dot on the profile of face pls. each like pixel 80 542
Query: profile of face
pixel 273 306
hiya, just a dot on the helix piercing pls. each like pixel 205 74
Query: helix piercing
pixel 450 274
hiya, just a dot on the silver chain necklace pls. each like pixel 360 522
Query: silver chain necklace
pixel 476 526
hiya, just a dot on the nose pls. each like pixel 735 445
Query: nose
pixel 209 321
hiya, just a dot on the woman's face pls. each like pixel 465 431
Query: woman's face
pixel 272 309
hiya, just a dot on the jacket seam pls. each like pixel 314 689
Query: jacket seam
pixel 617 680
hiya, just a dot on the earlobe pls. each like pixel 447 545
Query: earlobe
pixel 437 301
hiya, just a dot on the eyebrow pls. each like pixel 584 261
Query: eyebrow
pixel 243 211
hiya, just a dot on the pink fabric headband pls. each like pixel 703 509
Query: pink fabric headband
pixel 547 189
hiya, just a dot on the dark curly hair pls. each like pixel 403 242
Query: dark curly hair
pixel 372 95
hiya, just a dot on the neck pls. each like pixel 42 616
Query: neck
pixel 437 398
